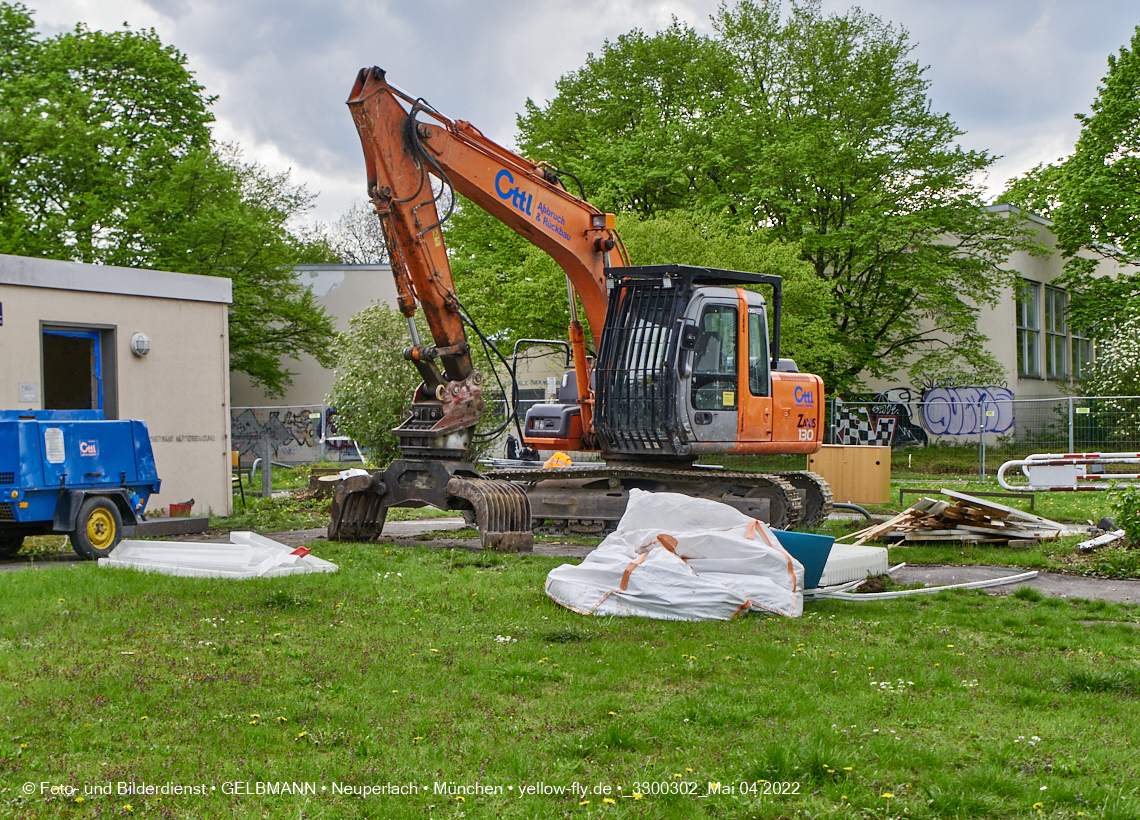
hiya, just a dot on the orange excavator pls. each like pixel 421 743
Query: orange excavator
pixel 684 365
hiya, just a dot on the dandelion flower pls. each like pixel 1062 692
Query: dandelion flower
pixel 608 800
pixel 637 795
pixel 887 795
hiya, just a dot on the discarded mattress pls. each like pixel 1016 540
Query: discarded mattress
pixel 249 555
pixel 678 558
pixel 849 563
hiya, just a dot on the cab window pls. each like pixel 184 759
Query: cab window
pixel 757 353
pixel 714 363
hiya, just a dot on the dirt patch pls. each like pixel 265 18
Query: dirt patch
pixel 875 583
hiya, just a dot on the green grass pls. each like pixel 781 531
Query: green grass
pixel 416 665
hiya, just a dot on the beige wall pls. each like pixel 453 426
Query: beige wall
pixel 999 322
pixel 344 291
pixel 180 389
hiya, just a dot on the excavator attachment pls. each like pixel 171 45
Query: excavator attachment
pixel 502 511
pixel 501 508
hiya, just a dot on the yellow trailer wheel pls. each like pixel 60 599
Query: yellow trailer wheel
pixel 98 528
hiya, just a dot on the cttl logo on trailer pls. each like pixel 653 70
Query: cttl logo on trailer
pixel 88 448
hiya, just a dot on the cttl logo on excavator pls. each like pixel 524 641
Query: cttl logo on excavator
pixel 521 201
pixel 555 223
pixel 804 398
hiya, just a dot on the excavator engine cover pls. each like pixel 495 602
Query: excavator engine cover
pixel 501 508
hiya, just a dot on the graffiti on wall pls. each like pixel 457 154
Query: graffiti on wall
pixel 956 411
pixel 295 434
pixel 884 420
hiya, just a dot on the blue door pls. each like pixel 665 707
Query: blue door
pixel 73 370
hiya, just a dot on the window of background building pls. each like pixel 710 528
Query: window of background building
pixel 1056 340
pixel 1082 352
pixel 1028 329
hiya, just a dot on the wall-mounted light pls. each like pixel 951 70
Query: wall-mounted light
pixel 140 344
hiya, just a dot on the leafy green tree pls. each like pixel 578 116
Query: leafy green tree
pixel 218 216
pixel 106 156
pixel 374 384
pixel 818 128
pixel 1099 203
pixel 515 291
pixel 1037 191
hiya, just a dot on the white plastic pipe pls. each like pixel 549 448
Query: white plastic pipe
pixel 902 593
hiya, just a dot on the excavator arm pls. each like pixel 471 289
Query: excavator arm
pixel 402 153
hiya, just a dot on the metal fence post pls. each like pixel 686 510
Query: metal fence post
pixel 266 465
pixel 982 440
pixel 1072 445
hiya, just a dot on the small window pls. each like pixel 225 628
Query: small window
pixel 1082 353
pixel 757 353
pixel 715 362
pixel 1028 329
pixel 1056 339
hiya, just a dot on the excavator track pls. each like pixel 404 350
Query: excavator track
pixel 817 495
pixel 589 499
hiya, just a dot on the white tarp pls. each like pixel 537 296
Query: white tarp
pixel 682 559
pixel 249 555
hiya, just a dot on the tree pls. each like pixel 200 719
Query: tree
pixel 106 157
pixel 1099 209
pixel 357 237
pixel 374 385
pixel 1037 191
pixel 819 129
pixel 218 216
pixel 514 290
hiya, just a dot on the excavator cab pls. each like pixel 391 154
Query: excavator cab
pixel 686 367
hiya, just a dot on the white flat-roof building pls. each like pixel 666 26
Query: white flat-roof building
pixel 137 344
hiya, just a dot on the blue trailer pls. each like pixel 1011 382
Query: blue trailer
pixel 73 472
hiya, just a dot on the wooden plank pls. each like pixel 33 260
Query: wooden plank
pixel 1009 511
pixel 925 536
pixel 1006 533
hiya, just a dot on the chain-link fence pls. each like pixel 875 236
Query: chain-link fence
pixel 991 420
pixel 295 435
pixel 999 426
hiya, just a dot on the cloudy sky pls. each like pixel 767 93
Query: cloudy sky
pixel 1010 72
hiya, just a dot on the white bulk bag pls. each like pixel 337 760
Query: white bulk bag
pixel 679 558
